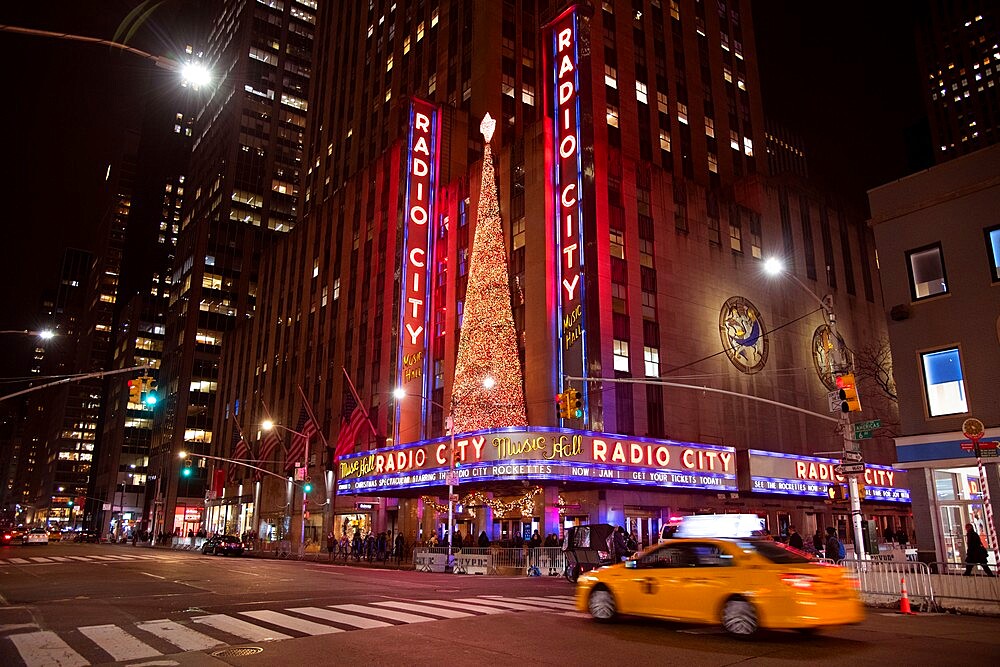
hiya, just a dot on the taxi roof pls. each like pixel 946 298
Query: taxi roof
pixel 720 526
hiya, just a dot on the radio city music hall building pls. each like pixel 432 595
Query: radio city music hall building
pixel 626 206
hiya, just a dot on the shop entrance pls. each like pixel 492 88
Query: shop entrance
pixel 643 524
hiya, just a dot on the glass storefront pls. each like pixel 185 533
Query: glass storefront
pixel 959 499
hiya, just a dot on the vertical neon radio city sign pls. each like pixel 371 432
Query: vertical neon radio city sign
pixel 567 191
pixel 421 184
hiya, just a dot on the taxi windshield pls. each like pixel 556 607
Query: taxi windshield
pixel 775 552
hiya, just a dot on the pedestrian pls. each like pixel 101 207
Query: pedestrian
pixel 535 541
pixel 818 541
pixel 400 546
pixel 484 540
pixel 618 545
pixel 331 543
pixel 343 547
pixel 975 552
pixel 794 539
pixel 834 548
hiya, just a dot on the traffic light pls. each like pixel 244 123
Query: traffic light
pixel 69 504
pixel 837 492
pixel 575 404
pixel 848 393
pixel 307 487
pixel 135 390
pixel 563 401
pixel 187 470
pixel 149 395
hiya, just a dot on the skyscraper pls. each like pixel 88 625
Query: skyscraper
pixel 636 213
pixel 240 194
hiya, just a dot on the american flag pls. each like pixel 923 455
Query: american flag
pixel 352 421
pixel 304 431
pixel 240 452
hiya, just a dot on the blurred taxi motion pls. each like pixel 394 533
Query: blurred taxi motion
pixel 720 570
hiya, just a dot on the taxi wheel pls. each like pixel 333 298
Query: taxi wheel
pixel 602 605
pixel 739 618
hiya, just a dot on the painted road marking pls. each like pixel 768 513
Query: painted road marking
pixel 45 649
pixel 117 643
pixel 467 607
pixel 423 609
pixel 502 604
pixel 338 617
pixel 290 622
pixel 384 613
pixel 180 636
pixel 240 628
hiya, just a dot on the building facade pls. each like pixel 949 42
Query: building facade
pixel 939 251
pixel 636 214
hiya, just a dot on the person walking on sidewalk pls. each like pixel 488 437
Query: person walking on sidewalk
pixel 975 552
pixel 399 547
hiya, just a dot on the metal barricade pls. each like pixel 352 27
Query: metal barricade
pixel 880 581
pixel 976 592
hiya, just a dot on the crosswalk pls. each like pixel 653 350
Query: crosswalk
pixel 51 560
pixel 96 644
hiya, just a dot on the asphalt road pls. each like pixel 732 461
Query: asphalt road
pixel 70 604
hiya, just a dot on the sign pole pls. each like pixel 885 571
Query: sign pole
pixel 973 430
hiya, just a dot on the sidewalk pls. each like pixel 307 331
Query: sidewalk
pixel 310 556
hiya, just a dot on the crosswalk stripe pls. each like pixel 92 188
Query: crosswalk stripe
pixel 384 613
pixel 40 559
pixel 503 604
pixel 240 628
pixel 182 637
pixel 290 622
pixel 423 609
pixel 118 557
pixel 45 649
pixel 61 559
pixel 117 643
pixel 103 558
pixel 467 607
pixel 18 560
pixel 85 559
pixel 541 604
pixel 338 617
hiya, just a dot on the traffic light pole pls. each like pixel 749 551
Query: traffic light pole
pixel 75 378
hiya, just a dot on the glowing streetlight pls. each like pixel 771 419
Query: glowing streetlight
pixel 399 394
pixel 196 74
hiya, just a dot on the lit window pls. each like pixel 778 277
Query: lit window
pixel 649 305
pixel 651 357
pixel 435 15
pixel 621 355
pixel 617 243
pixel 612 116
pixel 619 298
pixel 420 31
pixel 926 269
pixel 336 289
pixel 735 236
pixel 682 113
pixel 734 140
pixel 432 84
pixel 646 253
pixel 664 140
pixel 709 127
pixel 748 146
pixel 315 268
pixel 661 103
pixel 640 92
pixel 993 251
pixel 388 64
pixel 713 163
pixel 943 383
pixel 406 45
pixel 507 85
pixel 528 95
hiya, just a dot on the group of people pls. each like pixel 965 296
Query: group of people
pixel 380 548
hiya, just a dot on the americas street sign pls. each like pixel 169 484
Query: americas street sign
pixel 862 435
pixel 851 457
pixel 868 425
pixel 850 469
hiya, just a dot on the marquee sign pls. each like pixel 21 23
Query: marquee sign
pixel 414 311
pixel 567 192
pixel 790 474
pixel 541 454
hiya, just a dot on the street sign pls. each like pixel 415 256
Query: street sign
pixel 987 453
pixel 300 474
pixel 868 425
pixel 850 469
pixel 851 457
pixel 451 477
pixel 833 401
pixel 106 506
pixel 968 446
pixel 454 497
pixel 862 435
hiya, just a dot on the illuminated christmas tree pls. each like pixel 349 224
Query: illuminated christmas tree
pixel 487 392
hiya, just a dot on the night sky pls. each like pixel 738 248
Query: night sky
pixel 845 78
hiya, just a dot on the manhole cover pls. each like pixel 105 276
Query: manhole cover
pixel 237 651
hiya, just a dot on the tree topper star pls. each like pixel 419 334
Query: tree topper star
pixel 487 127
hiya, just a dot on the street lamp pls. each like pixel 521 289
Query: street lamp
pixel 268 425
pixel 44 334
pixel 399 394
pixel 775 267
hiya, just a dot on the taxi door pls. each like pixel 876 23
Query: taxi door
pixel 643 589
pixel 696 590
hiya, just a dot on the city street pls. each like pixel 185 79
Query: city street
pixel 78 604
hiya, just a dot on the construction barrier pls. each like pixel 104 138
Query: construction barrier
pixel 504 561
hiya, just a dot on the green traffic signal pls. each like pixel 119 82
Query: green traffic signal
pixel 186 472
pixel 151 398
pixel 307 487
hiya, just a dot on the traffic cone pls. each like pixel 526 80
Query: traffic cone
pixel 904 600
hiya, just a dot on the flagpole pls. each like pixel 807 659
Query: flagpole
pixel 361 405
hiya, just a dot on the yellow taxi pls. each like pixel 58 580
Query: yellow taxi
pixel 718 572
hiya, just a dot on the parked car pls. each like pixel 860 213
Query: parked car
pixel 87 536
pixel 6 538
pixel 223 545
pixel 35 536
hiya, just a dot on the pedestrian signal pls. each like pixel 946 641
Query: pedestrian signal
pixel 837 492
pixel 563 402
pixel 848 393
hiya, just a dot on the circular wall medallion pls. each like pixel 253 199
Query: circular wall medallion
pixel 823 355
pixel 742 330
